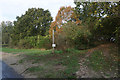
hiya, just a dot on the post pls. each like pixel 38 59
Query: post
pixel 53 42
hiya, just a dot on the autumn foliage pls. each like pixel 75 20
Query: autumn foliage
pixel 64 15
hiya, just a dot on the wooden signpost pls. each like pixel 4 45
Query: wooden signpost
pixel 53 45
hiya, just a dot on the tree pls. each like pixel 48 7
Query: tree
pixel 102 18
pixel 6 28
pixel 33 22
pixel 64 15
pixel 73 36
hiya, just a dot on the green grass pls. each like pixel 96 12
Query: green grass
pixel 72 50
pixel 68 60
pixel 97 61
pixel 35 69
pixel 58 51
pixel 26 51
pixel 72 65
pixel 58 65
pixel 21 61
pixel 62 64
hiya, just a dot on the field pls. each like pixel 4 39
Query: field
pixel 101 61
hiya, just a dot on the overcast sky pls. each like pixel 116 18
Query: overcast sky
pixel 9 9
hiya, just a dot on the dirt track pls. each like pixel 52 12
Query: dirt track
pixel 13 61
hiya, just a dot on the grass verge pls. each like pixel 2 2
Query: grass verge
pixel 26 51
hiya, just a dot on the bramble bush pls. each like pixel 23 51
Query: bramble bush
pixel 43 42
pixel 35 42
pixel 74 36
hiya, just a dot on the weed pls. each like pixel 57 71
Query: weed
pixel 21 61
pixel 35 69
pixel 97 61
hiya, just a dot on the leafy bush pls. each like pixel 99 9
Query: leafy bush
pixel 31 40
pixel 73 36
pixel 35 42
pixel 43 42
pixel 23 43
pixel 83 38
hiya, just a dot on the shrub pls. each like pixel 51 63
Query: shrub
pixel 23 43
pixel 73 36
pixel 43 42
pixel 35 42
pixel 31 40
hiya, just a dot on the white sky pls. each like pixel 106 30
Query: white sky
pixel 9 9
